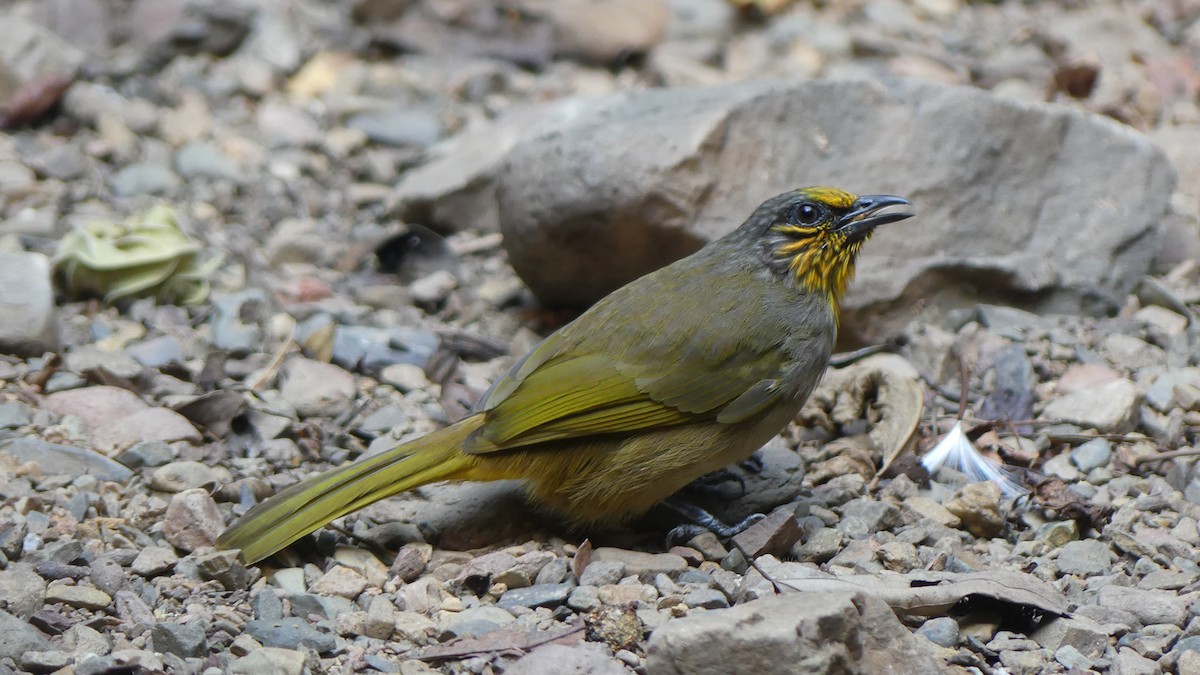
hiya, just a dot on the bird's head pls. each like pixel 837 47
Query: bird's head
pixel 812 236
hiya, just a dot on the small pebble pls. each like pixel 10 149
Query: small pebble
pixel 941 631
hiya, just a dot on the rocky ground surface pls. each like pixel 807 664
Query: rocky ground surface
pixel 353 180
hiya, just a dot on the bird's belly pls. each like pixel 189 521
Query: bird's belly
pixel 613 480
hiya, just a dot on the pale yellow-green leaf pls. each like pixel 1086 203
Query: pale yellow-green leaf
pixel 147 255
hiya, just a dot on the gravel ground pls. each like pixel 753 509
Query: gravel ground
pixel 305 316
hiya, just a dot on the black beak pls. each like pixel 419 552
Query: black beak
pixel 863 216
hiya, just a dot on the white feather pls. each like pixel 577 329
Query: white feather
pixel 957 452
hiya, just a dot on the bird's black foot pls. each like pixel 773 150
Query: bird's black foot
pixel 703 521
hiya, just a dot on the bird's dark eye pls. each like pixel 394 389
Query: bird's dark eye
pixel 805 213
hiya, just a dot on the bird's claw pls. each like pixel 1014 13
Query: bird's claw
pixel 703 521
pixel 684 533
pixel 743 524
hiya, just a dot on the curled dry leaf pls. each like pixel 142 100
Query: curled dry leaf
pixel 848 455
pixel 884 389
pixel 934 593
pixel 583 558
pixel 147 255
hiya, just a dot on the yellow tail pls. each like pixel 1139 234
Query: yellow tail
pixel 315 501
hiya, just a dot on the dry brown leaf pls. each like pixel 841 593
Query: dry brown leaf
pixel 848 455
pixel 934 593
pixel 884 389
pixel 583 558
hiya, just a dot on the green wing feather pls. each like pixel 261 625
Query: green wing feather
pixel 565 397
pixel 570 398
pixel 690 364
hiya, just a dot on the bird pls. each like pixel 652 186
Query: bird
pixel 677 374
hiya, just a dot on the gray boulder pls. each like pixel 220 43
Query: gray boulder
pixel 1016 203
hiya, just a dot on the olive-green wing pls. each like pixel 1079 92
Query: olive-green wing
pixel 553 396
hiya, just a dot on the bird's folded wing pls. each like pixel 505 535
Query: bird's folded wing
pixel 568 397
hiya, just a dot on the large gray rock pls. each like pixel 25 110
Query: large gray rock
pixel 27 325
pixel 1016 203
pixel 814 633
